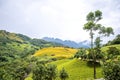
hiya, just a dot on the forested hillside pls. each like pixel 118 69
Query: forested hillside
pixel 19 45
pixel 20 55
pixel 15 54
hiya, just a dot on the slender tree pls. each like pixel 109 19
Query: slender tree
pixel 92 26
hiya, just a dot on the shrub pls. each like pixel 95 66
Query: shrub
pixel 44 72
pixel 63 74
pixel 111 70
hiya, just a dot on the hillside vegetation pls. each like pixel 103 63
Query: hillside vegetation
pixel 105 48
pixel 19 45
pixel 7 37
pixel 77 69
pixel 16 51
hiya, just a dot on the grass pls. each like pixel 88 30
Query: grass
pixel 105 48
pixel 77 69
pixel 56 52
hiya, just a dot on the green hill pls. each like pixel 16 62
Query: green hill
pixel 13 45
pixel 7 37
pixel 77 69
pixel 105 48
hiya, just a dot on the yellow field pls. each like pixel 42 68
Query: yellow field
pixel 56 52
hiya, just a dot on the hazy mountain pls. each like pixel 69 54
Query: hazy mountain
pixel 83 44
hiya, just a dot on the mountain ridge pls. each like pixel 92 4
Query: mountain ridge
pixel 6 37
pixel 44 42
pixel 82 44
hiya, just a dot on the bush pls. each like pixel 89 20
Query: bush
pixel 111 70
pixel 44 72
pixel 81 54
pixel 113 52
pixel 63 74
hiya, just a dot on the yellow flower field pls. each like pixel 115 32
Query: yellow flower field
pixel 56 52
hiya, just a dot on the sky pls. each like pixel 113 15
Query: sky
pixel 62 19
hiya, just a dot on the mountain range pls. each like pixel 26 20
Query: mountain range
pixel 8 37
pixel 83 44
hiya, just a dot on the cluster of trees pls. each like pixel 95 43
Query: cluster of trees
pixel 114 41
pixel 14 70
pixel 42 43
pixel 84 54
pixel 11 51
pixel 48 72
pixel 19 69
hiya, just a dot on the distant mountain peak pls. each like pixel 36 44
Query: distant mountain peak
pixel 83 44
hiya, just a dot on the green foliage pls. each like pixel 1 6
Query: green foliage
pixel 91 25
pixel 63 74
pixel 116 40
pixel 111 67
pixel 15 70
pixel 109 31
pixel 88 56
pixel 44 72
pixel 94 16
pixel 113 53
pixel 23 37
pixel 81 54
pixel 7 37
pixel 105 48
pixel 111 70
pixel 39 72
pixel 42 43
pixel 15 46
pixel 99 55
pixel 51 72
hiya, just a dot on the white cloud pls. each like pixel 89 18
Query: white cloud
pixel 56 18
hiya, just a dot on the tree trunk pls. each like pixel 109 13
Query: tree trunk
pixel 94 68
pixel 92 52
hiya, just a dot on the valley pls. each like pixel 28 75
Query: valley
pixel 26 58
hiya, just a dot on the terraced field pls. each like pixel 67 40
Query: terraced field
pixel 56 52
